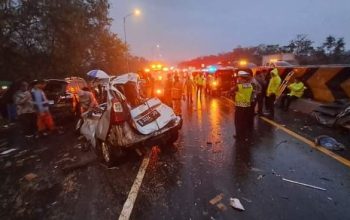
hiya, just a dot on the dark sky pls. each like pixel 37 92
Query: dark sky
pixel 186 29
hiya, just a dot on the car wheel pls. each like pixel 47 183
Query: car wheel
pixel 104 152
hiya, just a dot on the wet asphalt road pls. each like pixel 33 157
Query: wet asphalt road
pixel 181 179
pixel 207 161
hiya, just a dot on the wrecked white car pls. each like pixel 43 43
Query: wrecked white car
pixel 129 120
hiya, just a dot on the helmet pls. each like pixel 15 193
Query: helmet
pixel 242 73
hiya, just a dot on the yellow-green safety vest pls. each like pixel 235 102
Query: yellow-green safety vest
pixel 243 95
pixel 296 89
pixel 200 80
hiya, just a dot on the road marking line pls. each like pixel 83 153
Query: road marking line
pixel 308 142
pixel 305 140
pixel 130 201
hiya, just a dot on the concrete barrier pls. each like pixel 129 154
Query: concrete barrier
pixel 324 83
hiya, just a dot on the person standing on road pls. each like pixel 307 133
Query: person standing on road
pixel 256 93
pixel 189 85
pixel 243 92
pixel 167 90
pixel 41 104
pixel 176 95
pixel 296 89
pixel 260 78
pixel 200 82
pixel 271 92
pixel 25 110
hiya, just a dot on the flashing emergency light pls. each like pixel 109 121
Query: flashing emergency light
pixel 71 89
pixel 243 62
pixel 212 69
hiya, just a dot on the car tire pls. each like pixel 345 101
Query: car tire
pixel 105 153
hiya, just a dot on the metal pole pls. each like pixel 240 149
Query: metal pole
pixel 126 51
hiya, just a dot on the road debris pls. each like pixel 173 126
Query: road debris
pixel 235 203
pixel 30 177
pixel 221 206
pixel 21 153
pixel 282 142
pixel 8 151
pixel 326 179
pixel 138 152
pixel 304 184
pixel 78 165
pixel 216 199
pixel 260 177
pixel 306 127
pixel 247 200
pixel 329 143
pixel 255 169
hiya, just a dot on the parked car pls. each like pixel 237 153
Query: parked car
pixel 62 95
pixel 128 121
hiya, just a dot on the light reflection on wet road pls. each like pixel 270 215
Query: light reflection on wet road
pixel 206 161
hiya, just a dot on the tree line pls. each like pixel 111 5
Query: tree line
pixel 59 38
pixel 331 51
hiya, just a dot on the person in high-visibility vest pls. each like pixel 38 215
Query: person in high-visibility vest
pixel 243 92
pixel 189 85
pixel 200 82
pixel 271 92
pixel 296 89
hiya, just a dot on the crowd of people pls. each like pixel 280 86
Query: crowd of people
pixel 253 92
pixel 32 108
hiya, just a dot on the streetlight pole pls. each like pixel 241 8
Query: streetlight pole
pixel 135 12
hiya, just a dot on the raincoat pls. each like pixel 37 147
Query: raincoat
pixel 274 83
pixel 296 89
pixel 200 81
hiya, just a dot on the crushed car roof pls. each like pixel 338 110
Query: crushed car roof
pixel 125 78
